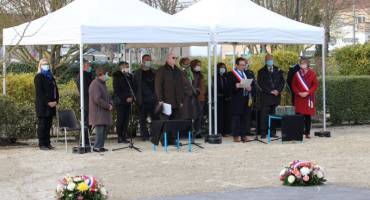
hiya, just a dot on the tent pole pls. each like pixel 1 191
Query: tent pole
pixel 323 85
pixel 4 70
pixel 234 54
pixel 209 91
pixel 82 96
pixel 220 53
pixel 215 87
pixel 129 60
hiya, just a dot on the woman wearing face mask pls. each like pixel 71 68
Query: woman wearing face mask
pixel 200 92
pixel 47 98
pixel 223 122
pixel 304 86
pixel 100 108
pixel 188 110
pixel 122 99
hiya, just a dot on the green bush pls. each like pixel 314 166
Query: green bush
pixel 21 87
pixel 20 68
pixel 348 99
pixel 17 120
pixel 354 59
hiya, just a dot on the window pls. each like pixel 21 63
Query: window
pixel 360 19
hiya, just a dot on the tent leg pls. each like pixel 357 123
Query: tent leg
pixel 129 60
pixel 215 87
pixel 323 86
pixel 234 54
pixel 4 70
pixel 82 96
pixel 209 91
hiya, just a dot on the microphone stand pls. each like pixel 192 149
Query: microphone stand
pixel 131 144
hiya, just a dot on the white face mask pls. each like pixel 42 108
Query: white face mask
pixel 45 67
pixel 197 68
pixel 125 70
pixel 222 70
pixel 148 64
pixel 304 66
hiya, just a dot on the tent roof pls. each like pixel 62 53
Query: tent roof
pixel 243 21
pixel 106 21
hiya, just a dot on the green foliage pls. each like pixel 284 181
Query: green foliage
pixel 21 87
pixel 17 120
pixel 347 98
pixel 285 59
pixel 354 59
pixel 20 68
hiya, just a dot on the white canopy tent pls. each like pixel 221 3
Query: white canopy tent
pixel 243 21
pixel 104 21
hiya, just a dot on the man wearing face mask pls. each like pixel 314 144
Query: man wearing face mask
pixel 271 83
pixel 87 79
pixel 144 80
pixel 200 91
pixel 122 99
pixel 100 108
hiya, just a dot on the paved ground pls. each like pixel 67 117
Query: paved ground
pixel 325 192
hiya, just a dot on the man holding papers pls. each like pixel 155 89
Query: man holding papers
pixel 240 90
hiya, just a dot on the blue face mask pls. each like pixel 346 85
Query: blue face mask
pixel 270 63
pixel 106 77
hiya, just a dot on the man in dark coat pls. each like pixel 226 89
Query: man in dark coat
pixel 87 79
pixel 146 99
pixel 122 100
pixel 289 80
pixel 271 83
pixel 47 98
pixel 169 87
pixel 241 97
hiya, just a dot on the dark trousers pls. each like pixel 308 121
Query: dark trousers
pixel 43 130
pixel 146 110
pixel 241 124
pixel 101 134
pixel 264 113
pixel 307 124
pixel 86 129
pixel 221 115
pixel 123 115
pixel 198 121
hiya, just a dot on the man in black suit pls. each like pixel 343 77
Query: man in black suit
pixel 122 99
pixel 87 79
pixel 271 83
pixel 289 79
pixel 241 97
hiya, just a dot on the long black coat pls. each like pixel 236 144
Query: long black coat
pixel 46 91
pixel 239 102
pixel 88 78
pixel 121 88
pixel 169 86
pixel 139 85
pixel 268 82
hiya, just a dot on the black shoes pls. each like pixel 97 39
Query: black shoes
pixel 46 148
pixel 100 150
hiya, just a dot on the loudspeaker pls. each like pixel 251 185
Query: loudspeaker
pixel 292 128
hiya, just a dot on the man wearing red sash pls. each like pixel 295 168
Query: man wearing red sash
pixel 304 85
pixel 241 96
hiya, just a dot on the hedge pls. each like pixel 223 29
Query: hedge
pixel 353 59
pixel 348 99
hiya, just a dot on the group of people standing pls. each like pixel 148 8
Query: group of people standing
pixel 235 100
pixel 184 89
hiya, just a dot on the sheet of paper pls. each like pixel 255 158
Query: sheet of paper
pixel 246 82
pixel 166 109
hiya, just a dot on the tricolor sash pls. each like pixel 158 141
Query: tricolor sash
pixel 239 75
pixel 304 86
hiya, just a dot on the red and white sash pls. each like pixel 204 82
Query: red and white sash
pixel 238 75
pixel 304 86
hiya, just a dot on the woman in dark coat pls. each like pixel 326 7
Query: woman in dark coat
pixel 47 98
pixel 223 114
pixel 200 92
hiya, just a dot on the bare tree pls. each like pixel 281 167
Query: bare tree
pixel 168 6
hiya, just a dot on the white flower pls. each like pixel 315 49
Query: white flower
pixel 320 174
pixel 283 172
pixel 60 188
pixel 71 186
pixel 77 179
pixel 305 171
pixel 291 179
pixel 103 191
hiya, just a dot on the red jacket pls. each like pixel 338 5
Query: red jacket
pixel 306 105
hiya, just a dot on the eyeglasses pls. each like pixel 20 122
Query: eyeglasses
pixel 174 58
